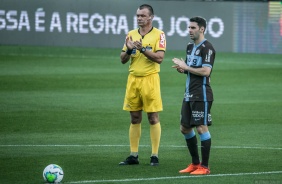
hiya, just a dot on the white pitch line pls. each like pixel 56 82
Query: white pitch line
pixel 165 146
pixel 92 56
pixel 59 56
pixel 175 177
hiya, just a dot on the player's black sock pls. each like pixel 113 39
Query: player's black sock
pixel 193 149
pixel 205 149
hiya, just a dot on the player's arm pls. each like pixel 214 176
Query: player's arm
pixel 203 71
pixel 180 64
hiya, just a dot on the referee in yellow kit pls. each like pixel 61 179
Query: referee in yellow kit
pixel 145 47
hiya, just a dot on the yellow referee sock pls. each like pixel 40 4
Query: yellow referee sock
pixel 134 137
pixel 155 133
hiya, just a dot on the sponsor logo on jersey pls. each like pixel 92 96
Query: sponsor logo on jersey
pixel 162 41
pixel 188 95
pixel 134 51
pixel 208 56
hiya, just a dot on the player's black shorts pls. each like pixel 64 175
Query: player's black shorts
pixel 195 113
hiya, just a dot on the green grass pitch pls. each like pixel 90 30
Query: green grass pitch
pixel 64 106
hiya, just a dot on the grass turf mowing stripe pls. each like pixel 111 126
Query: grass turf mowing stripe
pixel 164 146
pixel 177 177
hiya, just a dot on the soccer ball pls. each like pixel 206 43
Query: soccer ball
pixel 53 173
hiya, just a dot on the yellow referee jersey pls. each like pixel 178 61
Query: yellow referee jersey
pixel 154 41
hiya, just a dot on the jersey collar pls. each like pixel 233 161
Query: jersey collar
pixel 200 43
pixel 146 33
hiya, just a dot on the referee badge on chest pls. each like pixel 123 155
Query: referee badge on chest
pixel 149 48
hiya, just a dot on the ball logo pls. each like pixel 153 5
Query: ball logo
pixel 53 173
pixel 162 41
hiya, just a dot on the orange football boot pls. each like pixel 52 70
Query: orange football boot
pixel 201 171
pixel 190 168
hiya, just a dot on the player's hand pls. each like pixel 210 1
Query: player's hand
pixel 180 70
pixel 129 43
pixel 180 64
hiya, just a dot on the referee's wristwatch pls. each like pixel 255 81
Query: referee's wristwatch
pixel 143 49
